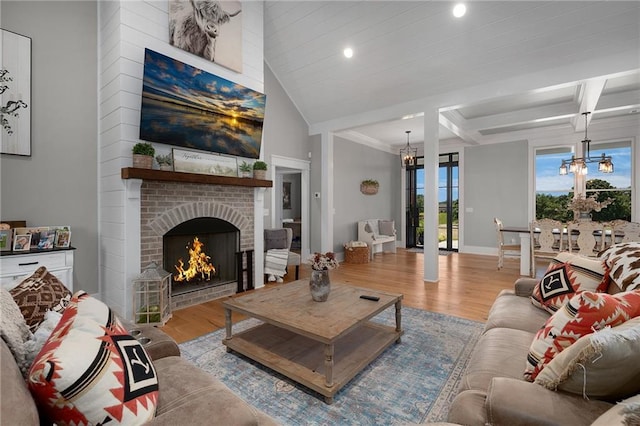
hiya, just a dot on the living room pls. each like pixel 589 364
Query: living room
pixel 86 70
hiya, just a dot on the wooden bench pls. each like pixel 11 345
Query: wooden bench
pixel 379 234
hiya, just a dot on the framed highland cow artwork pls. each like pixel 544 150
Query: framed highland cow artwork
pixel 208 28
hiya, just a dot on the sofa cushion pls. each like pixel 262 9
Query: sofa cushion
pixel 39 293
pixel 601 365
pixel 517 312
pixel 624 262
pixel 17 407
pixel 187 392
pixel 91 371
pixel 624 413
pixel 566 275
pixel 500 352
pixel 582 315
pixel 14 330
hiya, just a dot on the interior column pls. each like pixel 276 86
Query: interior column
pixel 431 164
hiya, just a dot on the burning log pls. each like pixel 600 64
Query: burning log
pixel 199 266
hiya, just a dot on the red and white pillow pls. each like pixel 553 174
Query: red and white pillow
pixel 567 275
pixel 91 371
pixel 585 313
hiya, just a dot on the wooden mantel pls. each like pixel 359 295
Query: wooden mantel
pixel 167 176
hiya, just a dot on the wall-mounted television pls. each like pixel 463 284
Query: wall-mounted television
pixel 191 108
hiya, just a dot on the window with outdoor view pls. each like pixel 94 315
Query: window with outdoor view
pixel 554 192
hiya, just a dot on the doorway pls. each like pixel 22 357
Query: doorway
pixel 448 202
pixel 290 200
pixel 448 197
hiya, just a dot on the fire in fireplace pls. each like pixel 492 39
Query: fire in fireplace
pixel 201 253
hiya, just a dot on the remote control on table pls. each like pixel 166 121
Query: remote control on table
pixel 374 298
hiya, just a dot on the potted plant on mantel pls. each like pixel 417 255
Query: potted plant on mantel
pixel 245 169
pixel 369 186
pixel 143 155
pixel 260 170
pixel 165 162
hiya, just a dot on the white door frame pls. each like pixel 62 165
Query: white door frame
pixel 303 166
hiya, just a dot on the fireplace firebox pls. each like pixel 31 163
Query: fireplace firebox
pixel 201 253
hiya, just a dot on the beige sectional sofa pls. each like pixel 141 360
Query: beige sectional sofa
pixel 186 394
pixel 494 391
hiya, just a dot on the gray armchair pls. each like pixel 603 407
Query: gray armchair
pixel 279 239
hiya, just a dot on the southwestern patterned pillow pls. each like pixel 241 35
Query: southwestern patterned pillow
pixel 585 313
pixel 566 275
pixel 91 371
pixel 624 262
pixel 39 293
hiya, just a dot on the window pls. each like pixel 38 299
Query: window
pixel 553 191
pixel 616 185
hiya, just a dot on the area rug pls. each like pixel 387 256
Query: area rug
pixel 411 382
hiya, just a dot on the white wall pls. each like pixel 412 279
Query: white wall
pixel 126 28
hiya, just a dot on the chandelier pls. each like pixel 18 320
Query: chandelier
pixel 407 154
pixel 578 165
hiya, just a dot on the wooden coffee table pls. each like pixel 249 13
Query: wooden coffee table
pixel 321 345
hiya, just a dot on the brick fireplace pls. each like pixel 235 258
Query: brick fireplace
pixel 158 201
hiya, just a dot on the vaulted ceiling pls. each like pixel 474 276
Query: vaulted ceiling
pixel 407 51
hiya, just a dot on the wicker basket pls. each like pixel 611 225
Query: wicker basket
pixel 356 254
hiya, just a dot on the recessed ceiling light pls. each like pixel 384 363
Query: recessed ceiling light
pixel 459 10
pixel 348 52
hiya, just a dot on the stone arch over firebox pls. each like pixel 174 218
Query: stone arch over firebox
pixel 184 212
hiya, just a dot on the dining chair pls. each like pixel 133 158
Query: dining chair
pixel 586 238
pixel 623 231
pixel 502 247
pixel 546 240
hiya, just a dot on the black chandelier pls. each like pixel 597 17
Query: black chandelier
pixel 578 165
pixel 407 154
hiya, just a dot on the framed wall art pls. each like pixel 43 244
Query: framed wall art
pixel 210 29
pixel 204 163
pixel 15 94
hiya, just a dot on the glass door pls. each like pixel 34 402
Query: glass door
pixel 448 202
pixel 415 204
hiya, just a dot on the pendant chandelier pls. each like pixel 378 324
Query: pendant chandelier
pixel 407 154
pixel 578 165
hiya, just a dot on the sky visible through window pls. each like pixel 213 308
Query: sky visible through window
pixel 548 181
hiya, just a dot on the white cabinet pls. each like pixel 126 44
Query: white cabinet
pixel 19 266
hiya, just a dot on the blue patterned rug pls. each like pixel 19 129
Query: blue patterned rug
pixel 413 382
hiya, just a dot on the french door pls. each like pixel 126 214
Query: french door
pixel 447 203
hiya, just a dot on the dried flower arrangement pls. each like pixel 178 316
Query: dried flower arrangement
pixel 323 262
pixel 580 204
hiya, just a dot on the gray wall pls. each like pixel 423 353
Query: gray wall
pixel 57 185
pixel 354 163
pixel 495 185
pixel 285 131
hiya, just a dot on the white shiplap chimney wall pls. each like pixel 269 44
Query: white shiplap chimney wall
pixel 126 28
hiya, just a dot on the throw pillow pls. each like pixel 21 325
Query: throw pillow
pixel 566 275
pixel 602 365
pixel 582 315
pixel 624 262
pixel 91 371
pixel 387 227
pixel 624 413
pixel 39 293
pixel 13 329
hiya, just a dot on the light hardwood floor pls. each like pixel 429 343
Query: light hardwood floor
pixel 467 287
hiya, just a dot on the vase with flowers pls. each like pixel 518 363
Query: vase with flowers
pixel 319 283
pixel 582 207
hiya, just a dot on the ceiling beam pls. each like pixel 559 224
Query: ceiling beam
pixel 455 123
pixel 590 92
